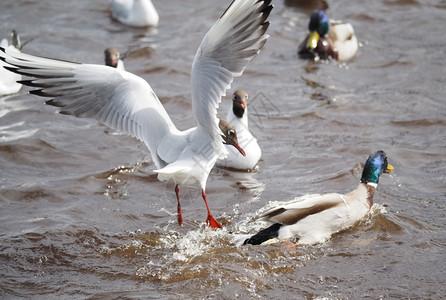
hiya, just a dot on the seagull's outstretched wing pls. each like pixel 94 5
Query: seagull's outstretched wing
pixel 116 98
pixel 234 40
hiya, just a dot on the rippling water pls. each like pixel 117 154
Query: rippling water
pixel 83 216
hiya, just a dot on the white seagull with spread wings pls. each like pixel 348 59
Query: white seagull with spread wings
pixel 127 103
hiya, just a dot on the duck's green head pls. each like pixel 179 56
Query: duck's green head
pixel 318 26
pixel 375 165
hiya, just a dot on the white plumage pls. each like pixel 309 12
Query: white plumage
pixel 238 116
pixel 127 103
pixel 314 218
pixel 344 40
pixel 8 80
pixel 343 211
pixel 137 13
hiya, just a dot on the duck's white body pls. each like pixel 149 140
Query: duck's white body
pixel 337 212
pixel 8 80
pixel 137 13
pixel 314 218
pixel 344 40
pixel 127 103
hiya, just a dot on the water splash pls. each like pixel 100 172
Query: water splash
pixel 194 243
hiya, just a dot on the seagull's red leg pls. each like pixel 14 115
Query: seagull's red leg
pixel 210 219
pixel 179 214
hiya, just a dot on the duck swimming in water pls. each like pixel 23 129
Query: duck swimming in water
pixel 328 39
pixel 314 218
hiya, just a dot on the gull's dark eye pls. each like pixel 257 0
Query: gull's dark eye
pixel 234 97
pixel 231 132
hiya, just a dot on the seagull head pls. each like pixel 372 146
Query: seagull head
pixel 230 135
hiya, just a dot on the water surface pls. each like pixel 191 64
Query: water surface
pixel 83 215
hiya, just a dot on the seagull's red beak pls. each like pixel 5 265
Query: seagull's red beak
pixel 237 146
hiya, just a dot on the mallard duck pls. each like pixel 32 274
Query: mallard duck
pixel 137 13
pixel 328 38
pixel 8 80
pixel 113 58
pixel 238 116
pixel 314 218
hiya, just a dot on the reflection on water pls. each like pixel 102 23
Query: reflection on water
pixel 84 216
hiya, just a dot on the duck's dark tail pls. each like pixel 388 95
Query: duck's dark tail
pixel 264 235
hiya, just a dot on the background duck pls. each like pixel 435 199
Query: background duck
pixel 314 218
pixel 113 58
pixel 238 116
pixel 8 80
pixel 328 38
pixel 137 13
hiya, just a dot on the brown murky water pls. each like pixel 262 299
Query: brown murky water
pixel 83 216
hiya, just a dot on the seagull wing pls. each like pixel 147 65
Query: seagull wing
pixel 119 99
pixel 234 40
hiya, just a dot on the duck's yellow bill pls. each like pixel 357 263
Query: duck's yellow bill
pixel 313 40
pixel 389 169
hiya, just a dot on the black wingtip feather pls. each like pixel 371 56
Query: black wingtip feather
pixel 265 26
pixel 54 103
pixel 40 76
pixel 28 83
pixel 31 83
pixel 266 7
pixel 12 69
pixel 268 10
pixel 266 2
pixel 44 94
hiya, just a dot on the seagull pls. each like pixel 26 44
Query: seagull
pixel 314 218
pixel 238 116
pixel 113 58
pixel 126 102
pixel 8 80
pixel 136 13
